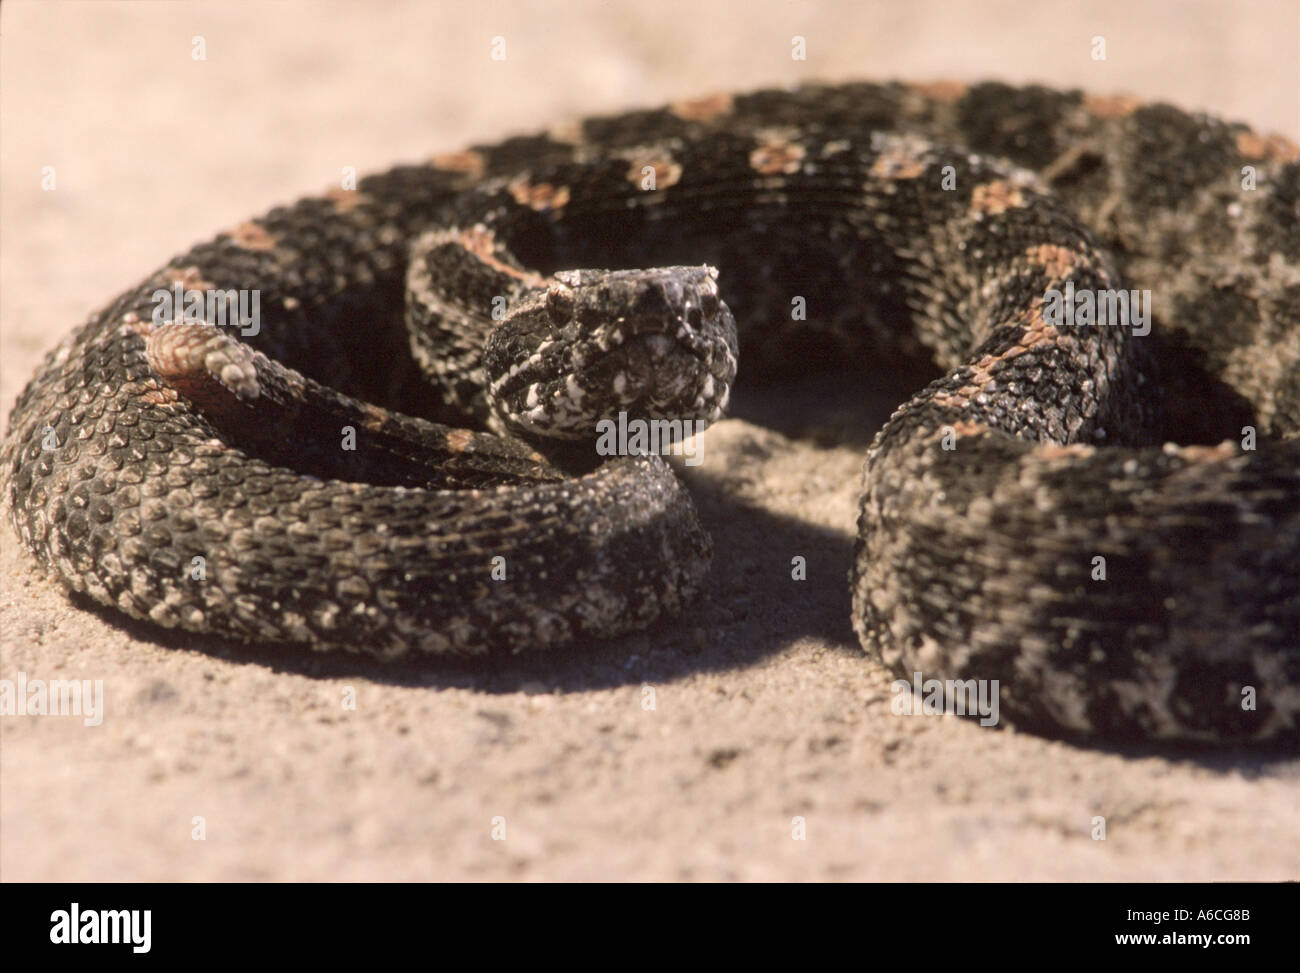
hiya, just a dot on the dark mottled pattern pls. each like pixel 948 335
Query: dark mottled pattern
pixel 987 496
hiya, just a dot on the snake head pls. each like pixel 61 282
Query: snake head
pixel 654 344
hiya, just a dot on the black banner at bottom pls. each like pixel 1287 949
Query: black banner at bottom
pixel 333 922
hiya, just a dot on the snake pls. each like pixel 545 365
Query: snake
pixel 373 429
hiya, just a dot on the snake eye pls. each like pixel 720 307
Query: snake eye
pixel 709 302
pixel 559 303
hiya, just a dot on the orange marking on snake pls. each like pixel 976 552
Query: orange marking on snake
pixel 466 163
pixel 159 394
pixel 1206 454
pixel 373 418
pixel 191 278
pixel 941 91
pixel 777 155
pixel 540 196
pixel 346 200
pixel 482 243
pixel 1275 148
pixel 951 400
pixel 566 133
pixel 899 161
pixel 995 197
pixel 1057 262
pixel 1111 106
pixel 1057 451
pixel 705 109
pixel 459 440
pixel 979 380
pixel 1036 331
pixel 252 236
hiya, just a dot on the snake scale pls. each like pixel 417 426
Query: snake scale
pixel 1024 518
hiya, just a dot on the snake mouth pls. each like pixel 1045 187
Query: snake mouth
pixel 671 370
pixel 677 375
pixel 661 348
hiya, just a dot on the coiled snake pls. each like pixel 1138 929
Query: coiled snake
pixel 1022 518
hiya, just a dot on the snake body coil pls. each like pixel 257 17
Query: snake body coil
pixel 1023 519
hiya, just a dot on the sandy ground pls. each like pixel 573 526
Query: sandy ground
pixel 764 708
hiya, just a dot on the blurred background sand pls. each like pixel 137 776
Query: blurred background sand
pixel 765 708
